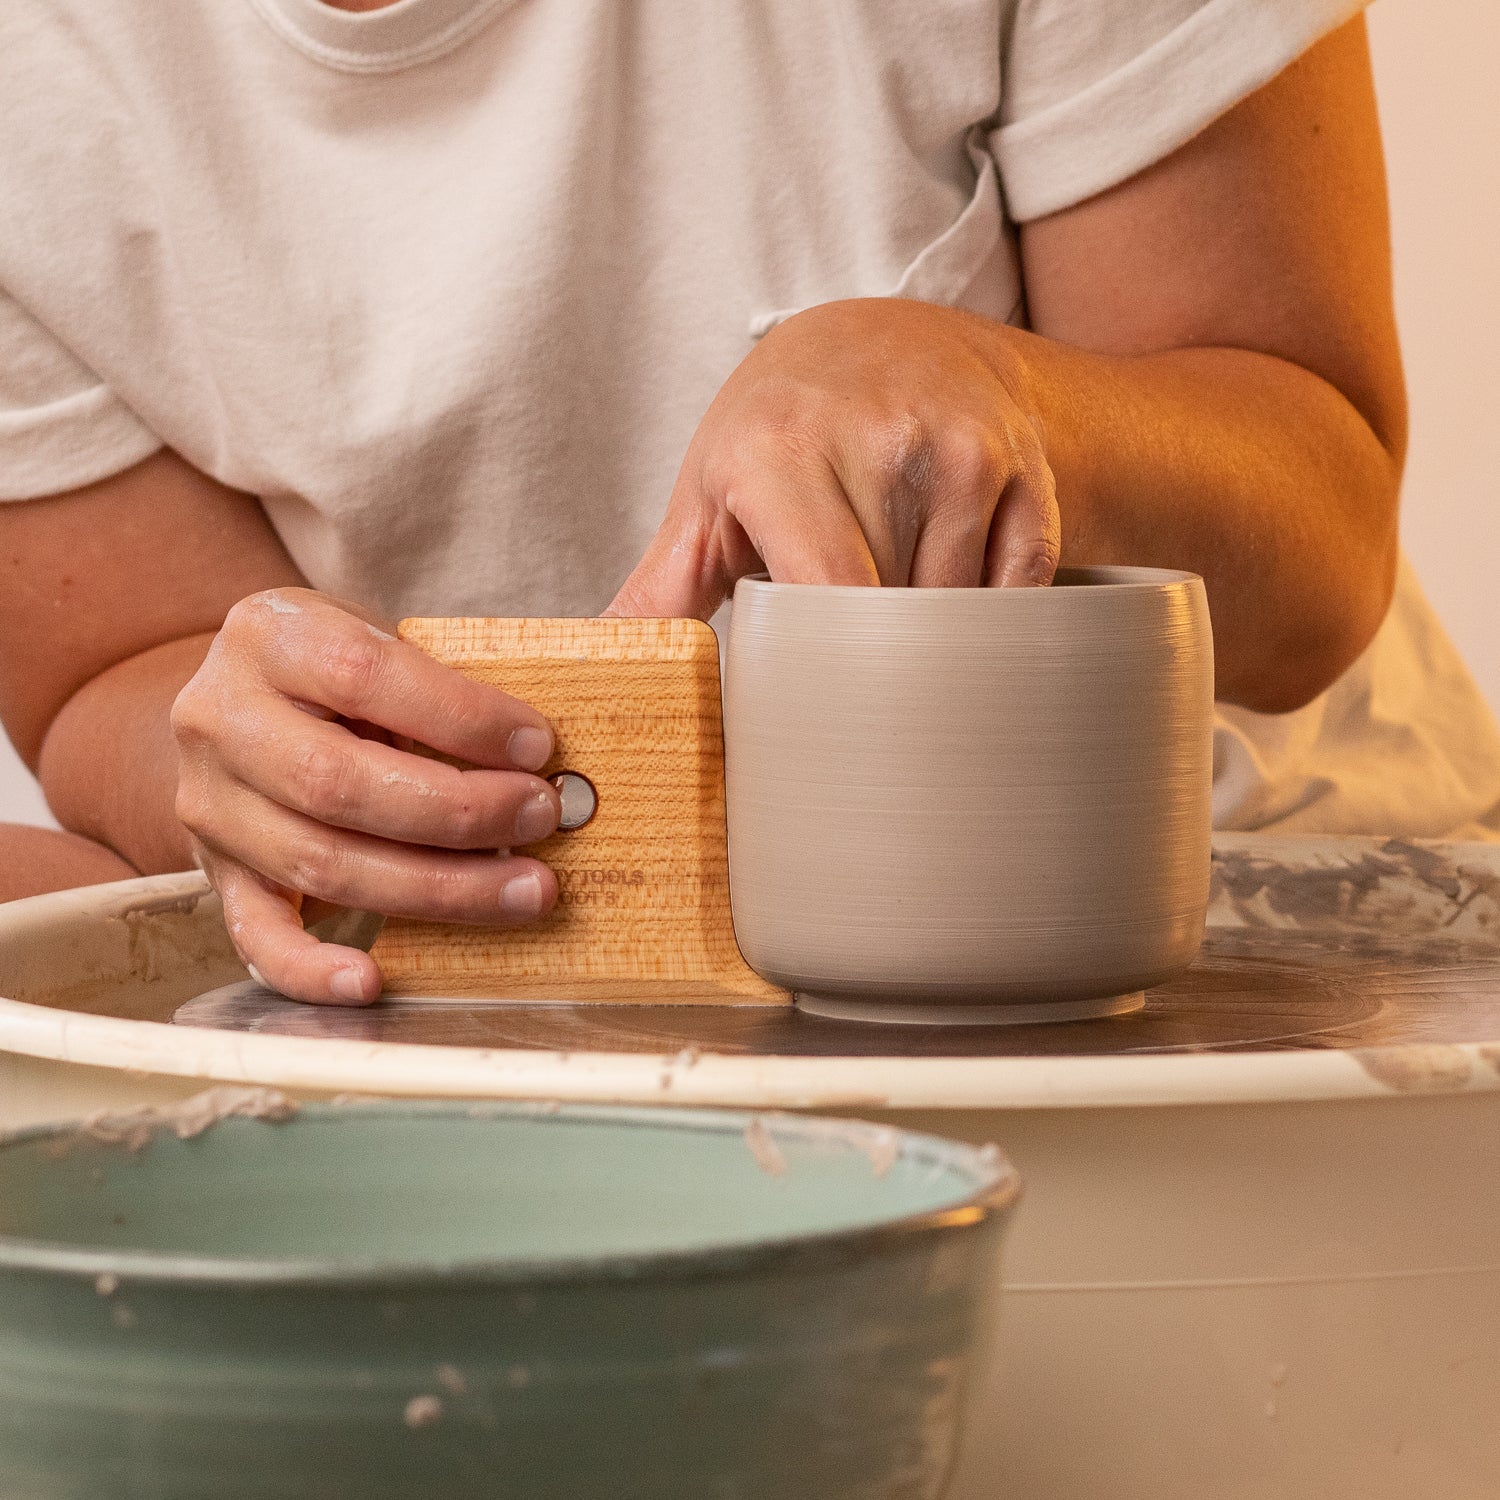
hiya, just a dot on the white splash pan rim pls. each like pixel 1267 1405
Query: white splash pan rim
pixel 412 1070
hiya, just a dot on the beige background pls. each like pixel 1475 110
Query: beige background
pixel 1436 68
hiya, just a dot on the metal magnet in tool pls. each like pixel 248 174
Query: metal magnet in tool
pixel 579 799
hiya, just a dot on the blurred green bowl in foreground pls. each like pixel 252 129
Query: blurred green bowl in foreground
pixel 445 1301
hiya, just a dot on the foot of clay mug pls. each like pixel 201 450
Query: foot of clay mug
pixel 970 804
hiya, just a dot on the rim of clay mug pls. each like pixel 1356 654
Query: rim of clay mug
pixel 1112 576
pixel 994 1186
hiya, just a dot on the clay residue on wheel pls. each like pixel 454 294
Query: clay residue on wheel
pixel 135 1129
pixel 107 955
pixel 1429 1069
pixel 1387 885
pixel 166 934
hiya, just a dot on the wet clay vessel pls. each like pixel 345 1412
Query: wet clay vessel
pixel 386 1301
pixel 970 804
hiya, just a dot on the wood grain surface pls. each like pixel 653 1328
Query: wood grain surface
pixel 643 914
pixel 1253 989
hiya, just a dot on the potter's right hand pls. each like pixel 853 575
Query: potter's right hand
pixel 298 787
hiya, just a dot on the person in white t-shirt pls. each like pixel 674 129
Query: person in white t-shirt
pixel 315 313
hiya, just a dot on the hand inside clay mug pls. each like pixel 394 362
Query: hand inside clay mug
pixel 867 442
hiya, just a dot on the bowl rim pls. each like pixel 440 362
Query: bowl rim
pixel 1113 577
pixel 994 1187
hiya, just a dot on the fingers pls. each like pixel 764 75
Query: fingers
pixel 1025 542
pixel 301 645
pixel 356 869
pixel 267 932
pixel 322 770
pixel 949 504
pixel 992 518
pixel 798 519
pixel 290 807
pixel 953 479
pixel 690 567
pixel 766 505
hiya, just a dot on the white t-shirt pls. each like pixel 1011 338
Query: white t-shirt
pixel 450 284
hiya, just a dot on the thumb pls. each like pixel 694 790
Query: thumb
pixel 687 571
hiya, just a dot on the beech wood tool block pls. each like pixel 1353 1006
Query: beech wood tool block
pixel 643 915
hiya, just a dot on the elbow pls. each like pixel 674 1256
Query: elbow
pixel 1320 642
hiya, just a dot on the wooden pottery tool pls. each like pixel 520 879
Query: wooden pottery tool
pixel 643 915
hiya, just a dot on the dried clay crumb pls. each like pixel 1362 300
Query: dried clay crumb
pixel 883 1149
pixel 879 1144
pixel 451 1378
pixel 194 1116
pixel 678 1062
pixel 106 1284
pixel 135 1129
pixel 423 1411
pixel 769 1157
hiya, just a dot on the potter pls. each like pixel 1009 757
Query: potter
pixel 317 315
pixel 857 296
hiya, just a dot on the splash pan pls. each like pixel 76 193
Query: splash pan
pixel 406 1299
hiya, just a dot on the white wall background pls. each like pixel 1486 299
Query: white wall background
pixel 1437 68
pixel 1438 71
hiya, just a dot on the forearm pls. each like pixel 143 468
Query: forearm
pixel 108 763
pixel 1239 466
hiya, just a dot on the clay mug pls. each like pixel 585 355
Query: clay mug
pixel 970 804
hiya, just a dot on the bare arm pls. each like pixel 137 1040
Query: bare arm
pixel 1213 383
pixel 113 594
pixel 1219 380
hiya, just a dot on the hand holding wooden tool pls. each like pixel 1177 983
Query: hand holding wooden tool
pixel 643 905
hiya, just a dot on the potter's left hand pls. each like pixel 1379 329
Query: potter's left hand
pixel 878 441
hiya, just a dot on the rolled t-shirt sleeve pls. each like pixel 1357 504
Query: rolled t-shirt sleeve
pixel 60 425
pixel 1093 91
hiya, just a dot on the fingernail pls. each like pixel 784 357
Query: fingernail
pixel 522 897
pixel 257 976
pixel 529 748
pixel 536 819
pixel 347 984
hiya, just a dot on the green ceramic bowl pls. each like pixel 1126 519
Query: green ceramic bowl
pixel 438 1301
